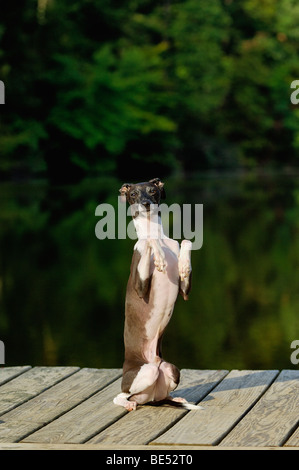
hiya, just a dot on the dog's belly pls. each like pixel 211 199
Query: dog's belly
pixel 164 294
pixel 146 319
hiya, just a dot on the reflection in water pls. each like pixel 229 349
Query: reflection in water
pixel 62 290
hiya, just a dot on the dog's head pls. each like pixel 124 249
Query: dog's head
pixel 150 192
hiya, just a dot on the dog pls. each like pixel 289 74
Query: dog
pixel 160 269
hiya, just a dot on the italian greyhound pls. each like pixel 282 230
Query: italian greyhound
pixel 159 271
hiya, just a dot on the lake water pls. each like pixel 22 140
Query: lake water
pixel 62 290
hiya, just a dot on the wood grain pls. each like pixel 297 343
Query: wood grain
pixel 147 422
pixel 223 408
pixel 9 373
pixel 293 441
pixel 29 384
pixel 274 416
pixel 93 414
pixel 50 404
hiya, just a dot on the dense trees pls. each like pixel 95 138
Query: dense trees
pixel 140 88
pixel 101 86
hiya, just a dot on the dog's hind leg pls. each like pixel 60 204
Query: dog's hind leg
pixel 138 386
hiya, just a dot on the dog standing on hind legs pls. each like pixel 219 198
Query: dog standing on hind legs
pixel 159 271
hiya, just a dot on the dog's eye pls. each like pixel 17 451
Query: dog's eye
pixel 152 190
pixel 133 194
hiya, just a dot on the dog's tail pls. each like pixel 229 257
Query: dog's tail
pixel 190 406
pixel 177 404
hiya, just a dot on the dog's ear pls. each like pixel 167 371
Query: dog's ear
pixel 157 182
pixel 124 190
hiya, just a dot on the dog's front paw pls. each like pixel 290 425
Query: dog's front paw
pixel 184 268
pixel 159 256
pixel 160 262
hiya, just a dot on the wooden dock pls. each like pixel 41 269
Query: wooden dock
pixel 72 408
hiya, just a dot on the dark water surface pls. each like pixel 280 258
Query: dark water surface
pixel 62 290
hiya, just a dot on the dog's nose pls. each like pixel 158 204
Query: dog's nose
pixel 146 203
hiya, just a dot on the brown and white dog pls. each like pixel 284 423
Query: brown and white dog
pixel 159 271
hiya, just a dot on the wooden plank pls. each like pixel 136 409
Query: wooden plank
pixel 293 441
pixel 113 448
pixel 274 416
pixel 29 384
pixel 9 373
pixel 224 407
pixel 147 422
pixel 94 415
pixel 50 404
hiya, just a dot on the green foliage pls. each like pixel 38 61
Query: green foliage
pixel 116 103
pixel 180 85
pixel 262 118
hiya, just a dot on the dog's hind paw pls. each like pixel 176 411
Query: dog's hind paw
pixel 131 405
pixel 122 400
